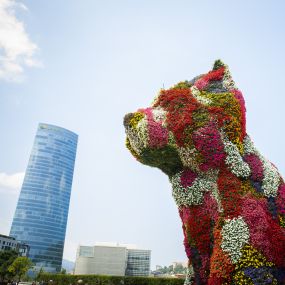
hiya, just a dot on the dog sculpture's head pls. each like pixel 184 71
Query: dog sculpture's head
pixel 187 125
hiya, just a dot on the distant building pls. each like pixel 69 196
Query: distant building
pixel 158 267
pixel 180 263
pixel 138 262
pixel 41 214
pixel 112 259
pixel 10 243
pixel 101 260
pixel 23 249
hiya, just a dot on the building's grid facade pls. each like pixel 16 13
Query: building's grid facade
pixel 42 209
pixel 117 260
pixel 138 262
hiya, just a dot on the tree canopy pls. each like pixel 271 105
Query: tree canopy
pixel 7 257
pixel 20 266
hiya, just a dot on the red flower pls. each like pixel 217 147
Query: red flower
pixel 230 190
pixel 213 75
pixel 255 165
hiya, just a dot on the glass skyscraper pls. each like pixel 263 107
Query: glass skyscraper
pixel 42 209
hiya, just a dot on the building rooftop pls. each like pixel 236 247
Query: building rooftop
pixel 4 236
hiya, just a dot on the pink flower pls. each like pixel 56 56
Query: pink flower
pixel 158 135
pixel 255 166
pixel 187 178
pixel 281 199
pixel 207 140
pixel 265 233
pixel 201 83
pixel 212 206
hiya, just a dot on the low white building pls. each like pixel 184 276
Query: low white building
pixel 101 260
pixel 10 243
pixel 112 259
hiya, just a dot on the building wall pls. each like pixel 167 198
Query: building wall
pixel 23 249
pixel 41 214
pixel 102 260
pixel 138 262
pixel 8 243
pixel 112 260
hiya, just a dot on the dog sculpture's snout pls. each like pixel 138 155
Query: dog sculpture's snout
pixel 127 119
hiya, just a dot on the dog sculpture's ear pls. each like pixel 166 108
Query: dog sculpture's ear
pixel 217 80
pixel 218 64
pixel 227 79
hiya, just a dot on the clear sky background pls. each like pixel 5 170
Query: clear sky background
pixel 82 65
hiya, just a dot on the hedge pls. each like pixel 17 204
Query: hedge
pixel 65 279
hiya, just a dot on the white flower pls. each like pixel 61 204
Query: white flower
pixel 188 157
pixel 235 234
pixel 197 95
pixel 215 194
pixel 234 160
pixel 189 275
pixel 271 177
pixel 159 115
pixel 228 82
pixel 248 146
pixel 271 180
pixel 138 137
pixel 193 195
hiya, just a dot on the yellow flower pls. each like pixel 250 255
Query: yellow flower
pixel 135 119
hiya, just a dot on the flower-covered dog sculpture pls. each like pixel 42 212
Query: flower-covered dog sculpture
pixel 231 200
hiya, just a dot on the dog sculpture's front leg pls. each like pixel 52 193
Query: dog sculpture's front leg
pixel 198 242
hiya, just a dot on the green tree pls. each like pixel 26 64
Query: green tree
pixel 6 259
pixel 63 271
pixel 179 269
pixel 40 274
pixel 20 266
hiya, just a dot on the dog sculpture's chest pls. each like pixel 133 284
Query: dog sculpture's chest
pixel 232 218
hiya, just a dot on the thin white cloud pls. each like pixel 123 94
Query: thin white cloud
pixel 11 183
pixel 17 51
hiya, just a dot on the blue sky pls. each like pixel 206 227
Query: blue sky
pixel 83 64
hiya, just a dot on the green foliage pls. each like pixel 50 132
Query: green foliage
pixel 6 259
pixel 39 274
pixel 182 85
pixel 20 266
pixel 170 164
pixel 218 64
pixel 178 269
pixel 63 279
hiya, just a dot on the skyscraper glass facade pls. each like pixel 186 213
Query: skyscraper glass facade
pixel 42 209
